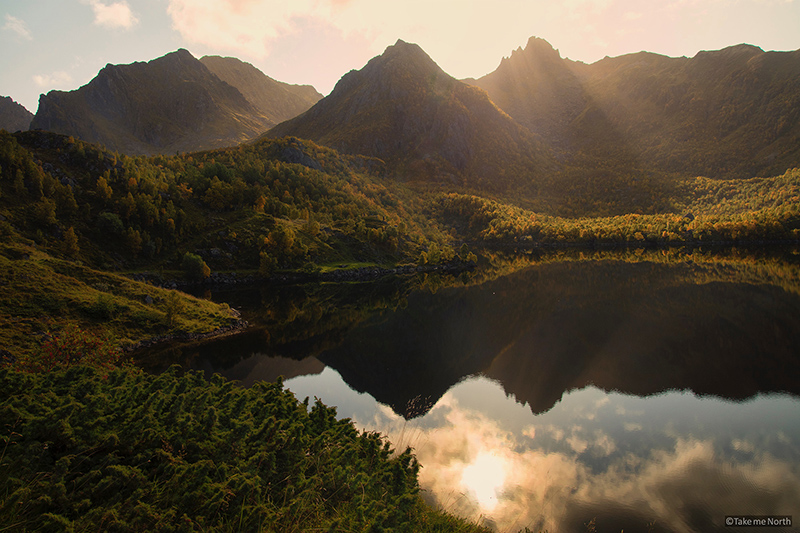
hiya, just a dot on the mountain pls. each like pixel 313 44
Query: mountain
pixel 170 104
pixel 402 108
pixel 13 116
pixel 275 100
pixel 538 89
pixel 728 113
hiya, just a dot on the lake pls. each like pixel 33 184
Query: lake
pixel 639 391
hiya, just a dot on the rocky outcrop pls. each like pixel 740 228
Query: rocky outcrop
pixel 13 116
pixel 275 100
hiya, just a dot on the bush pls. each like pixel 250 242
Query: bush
pixel 72 346
pixel 110 223
pixel 194 267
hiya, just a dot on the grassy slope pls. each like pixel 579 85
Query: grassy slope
pixel 39 294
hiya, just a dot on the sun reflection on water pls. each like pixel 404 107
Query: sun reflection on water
pixel 484 478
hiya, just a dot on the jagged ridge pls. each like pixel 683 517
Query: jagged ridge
pixel 401 107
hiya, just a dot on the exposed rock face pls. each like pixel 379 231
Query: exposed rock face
pixel 275 100
pixel 732 112
pixel 13 116
pixel 402 108
pixel 167 105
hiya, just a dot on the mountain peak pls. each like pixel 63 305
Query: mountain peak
pixel 168 104
pixel 404 109
pixel 536 50
pixel 409 53
pixel 539 45
pixel 738 50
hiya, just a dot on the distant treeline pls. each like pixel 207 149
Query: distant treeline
pixel 752 210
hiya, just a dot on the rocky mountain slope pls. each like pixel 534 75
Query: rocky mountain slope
pixel 728 113
pixel 13 116
pixel 275 100
pixel 402 108
pixel 167 105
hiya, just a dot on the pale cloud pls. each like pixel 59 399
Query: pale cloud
pixel 54 80
pixel 252 28
pixel 17 26
pixel 245 26
pixel 114 15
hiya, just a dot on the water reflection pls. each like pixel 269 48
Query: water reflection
pixel 671 462
pixel 644 396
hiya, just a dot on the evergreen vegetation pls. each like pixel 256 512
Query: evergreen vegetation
pixel 91 450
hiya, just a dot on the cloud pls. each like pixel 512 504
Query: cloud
pixel 54 80
pixel 248 27
pixel 17 26
pixel 115 15
pixel 252 27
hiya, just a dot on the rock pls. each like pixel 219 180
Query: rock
pixel 293 154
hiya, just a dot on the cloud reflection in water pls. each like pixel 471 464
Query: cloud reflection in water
pixel 619 459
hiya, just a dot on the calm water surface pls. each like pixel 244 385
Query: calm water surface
pixel 655 395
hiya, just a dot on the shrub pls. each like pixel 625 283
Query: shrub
pixel 194 267
pixel 72 346
pixel 110 223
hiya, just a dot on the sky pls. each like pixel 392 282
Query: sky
pixel 62 44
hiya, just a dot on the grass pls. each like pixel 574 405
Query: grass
pixel 40 294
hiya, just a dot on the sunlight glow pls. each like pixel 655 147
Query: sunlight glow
pixel 484 477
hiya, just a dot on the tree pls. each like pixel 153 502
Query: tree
pixel 174 306
pixel 45 212
pixel 104 191
pixel 134 241
pixel 194 267
pixel 71 248
pixel 267 264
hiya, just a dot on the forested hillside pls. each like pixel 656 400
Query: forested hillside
pixel 283 203
pixel 72 214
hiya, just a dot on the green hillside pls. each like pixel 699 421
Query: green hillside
pixel 74 216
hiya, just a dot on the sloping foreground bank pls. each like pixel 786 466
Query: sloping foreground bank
pixel 83 449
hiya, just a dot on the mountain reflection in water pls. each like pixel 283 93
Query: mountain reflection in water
pixel 645 396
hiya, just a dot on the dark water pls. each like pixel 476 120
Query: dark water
pixel 658 393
